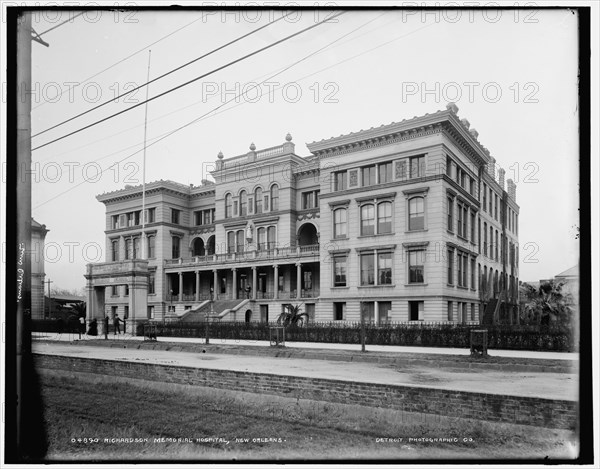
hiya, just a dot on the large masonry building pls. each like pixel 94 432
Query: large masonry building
pixel 410 221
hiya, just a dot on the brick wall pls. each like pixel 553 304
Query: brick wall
pixel 491 407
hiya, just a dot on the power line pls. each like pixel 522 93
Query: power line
pixel 188 82
pixel 59 25
pixel 209 112
pixel 123 59
pixel 161 76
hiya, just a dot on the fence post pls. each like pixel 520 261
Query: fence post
pixel 362 328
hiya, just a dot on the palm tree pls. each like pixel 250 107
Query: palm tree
pixel 80 309
pixel 292 316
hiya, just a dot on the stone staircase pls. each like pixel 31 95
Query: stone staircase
pixel 220 309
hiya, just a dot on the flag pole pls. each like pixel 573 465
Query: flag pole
pixel 144 163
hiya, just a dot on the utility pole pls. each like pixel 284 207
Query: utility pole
pixel 23 212
pixel 49 298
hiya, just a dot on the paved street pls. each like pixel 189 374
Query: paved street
pixel 546 385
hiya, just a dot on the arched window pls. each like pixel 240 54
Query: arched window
pixel 367 220
pixel 243 204
pixel 416 214
pixel 239 238
pixel 228 205
pixel 340 223
pixel 261 238
pixel 258 200
pixel 384 218
pixel 271 237
pixel 231 241
pixel 274 197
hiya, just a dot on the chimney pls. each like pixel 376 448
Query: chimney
pixel 512 189
pixel 501 174
pixel 452 107
pixel 491 168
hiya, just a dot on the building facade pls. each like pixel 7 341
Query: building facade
pixel 409 221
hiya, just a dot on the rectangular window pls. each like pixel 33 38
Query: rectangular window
pixel 385 172
pixel 128 248
pixel 339 181
pixel 126 290
pixel 175 216
pixel 473 227
pixel 473 285
pixel 416 214
pixel 367 220
pixel 115 250
pixel 450 214
pixel 491 200
pixel 459 223
pixel 450 266
pixel 384 218
pixel 308 200
pixel 416 266
pixel 339 269
pixel 448 166
pixel 136 248
pixel 450 311
pixel 473 314
pixel 459 266
pixel 175 251
pixel 417 166
pixel 340 223
pixel 465 220
pixel 368 176
pixel 198 218
pixel 385 312
pixel 367 309
pixel 384 268
pixel 114 290
pixel 151 284
pixel 367 269
pixel 496 207
pixel 151 247
pixel 339 311
pixel 415 310
pixel 484 192
pixel 485 239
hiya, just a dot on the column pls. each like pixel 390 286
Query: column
pixel 180 286
pixel 376 312
pixel 254 283
pixel 276 282
pixel 235 292
pixel 299 280
pixel 197 286
pixel 215 284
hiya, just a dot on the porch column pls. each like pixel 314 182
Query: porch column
pixel 276 282
pixel 254 283
pixel 215 282
pixel 235 292
pixel 180 286
pixel 376 312
pixel 197 286
pixel 298 279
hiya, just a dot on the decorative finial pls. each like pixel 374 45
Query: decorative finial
pixel 288 137
pixel 220 155
pixel 452 107
pixel 252 146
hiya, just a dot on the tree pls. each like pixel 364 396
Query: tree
pixel 80 309
pixel 292 316
pixel 545 305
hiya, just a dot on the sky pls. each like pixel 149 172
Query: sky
pixel 512 74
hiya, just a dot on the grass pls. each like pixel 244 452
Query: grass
pixel 82 406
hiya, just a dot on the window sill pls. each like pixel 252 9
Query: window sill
pixel 450 232
pixel 375 235
pixel 451 285
pixel 416 231
pixel 462 288
pixel 340 288
pixel 345 238
pixel 462 237
pixel 416 284
pixel 376 286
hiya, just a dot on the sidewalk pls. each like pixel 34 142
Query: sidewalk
pixel 562 386
pixel 70 337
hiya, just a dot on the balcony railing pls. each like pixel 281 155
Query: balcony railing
pixel 244 256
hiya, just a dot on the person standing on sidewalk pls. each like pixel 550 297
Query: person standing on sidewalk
pixel 105 327
pixel 81 326
pixel 116 324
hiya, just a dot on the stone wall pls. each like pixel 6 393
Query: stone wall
pixel 491 407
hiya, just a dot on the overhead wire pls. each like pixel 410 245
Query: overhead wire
pixel 123 59
pixel 206 114
pixel 59 25
pixel 188 82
